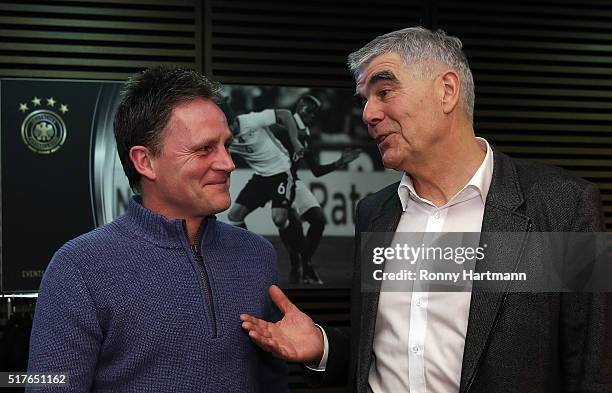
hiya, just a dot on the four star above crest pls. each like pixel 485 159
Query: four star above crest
pixel 23 106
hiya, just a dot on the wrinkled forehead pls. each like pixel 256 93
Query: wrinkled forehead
pixel 381 68
pixel 390 67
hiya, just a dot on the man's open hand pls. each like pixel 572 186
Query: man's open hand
pixel 294 338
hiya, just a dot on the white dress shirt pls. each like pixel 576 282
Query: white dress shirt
pixel 420 336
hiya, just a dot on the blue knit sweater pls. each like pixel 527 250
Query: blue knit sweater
pixel 128 307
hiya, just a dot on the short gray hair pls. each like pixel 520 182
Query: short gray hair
pixel 420 46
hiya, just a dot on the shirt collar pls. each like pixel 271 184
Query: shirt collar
pixel 481 180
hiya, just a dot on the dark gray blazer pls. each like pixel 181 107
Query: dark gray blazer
pixel 516 342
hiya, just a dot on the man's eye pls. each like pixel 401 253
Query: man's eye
pixel 383 93
pixel 206 149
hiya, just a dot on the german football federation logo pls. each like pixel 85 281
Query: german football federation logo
pixel 43 130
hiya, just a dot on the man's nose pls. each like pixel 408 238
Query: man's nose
pixel 224 161
pixel 372 114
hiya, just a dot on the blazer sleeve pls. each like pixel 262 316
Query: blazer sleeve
pixel 585 320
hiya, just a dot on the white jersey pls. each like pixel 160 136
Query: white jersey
pixel 256 144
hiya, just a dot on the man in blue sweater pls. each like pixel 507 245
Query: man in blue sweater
pixel 151 302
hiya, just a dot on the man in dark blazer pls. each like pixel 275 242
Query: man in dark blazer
pixel 418 104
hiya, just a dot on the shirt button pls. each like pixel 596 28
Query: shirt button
pixel 416 349
pixel 419 303
pixel 437 214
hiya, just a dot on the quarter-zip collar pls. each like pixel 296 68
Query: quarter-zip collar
pixel 160 231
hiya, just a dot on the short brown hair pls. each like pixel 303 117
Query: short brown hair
pixel 148 99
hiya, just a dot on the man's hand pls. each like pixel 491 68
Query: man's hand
pixel 348 155
pixel 294 338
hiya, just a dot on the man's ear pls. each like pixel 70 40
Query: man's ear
pixel 451 90
pixel 141 158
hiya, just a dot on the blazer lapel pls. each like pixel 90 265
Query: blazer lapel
pixel 502 255
pixel 384 220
